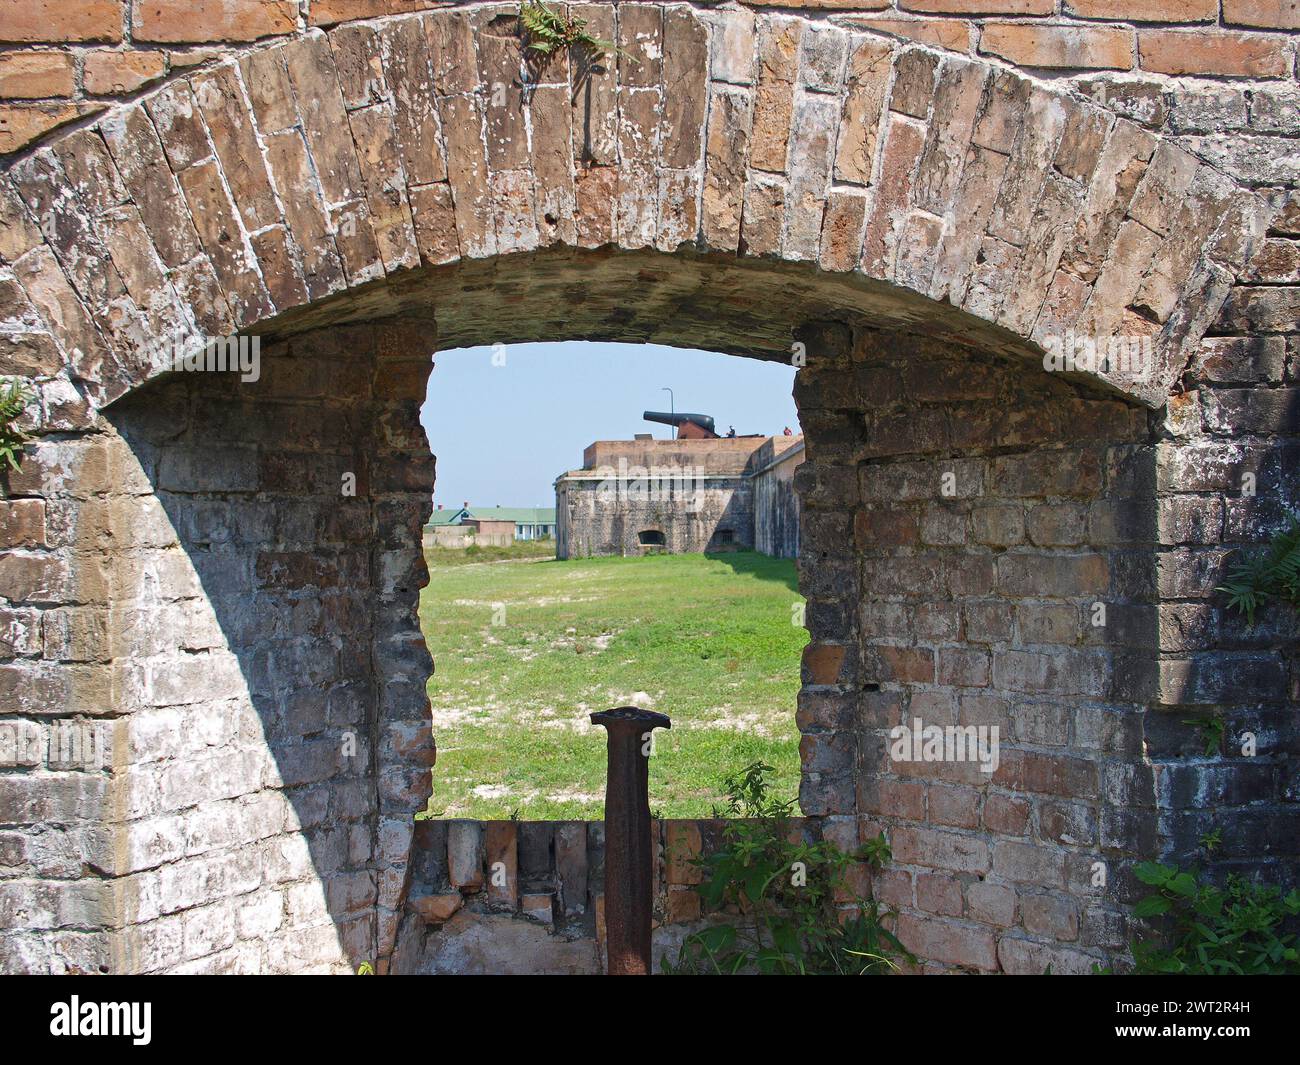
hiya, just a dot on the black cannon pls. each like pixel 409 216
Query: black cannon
pixel 703 422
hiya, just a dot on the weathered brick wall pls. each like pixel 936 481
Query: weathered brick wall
pixel 776 503
pixel 212 591
pixel 689 512
pixel 70 58
pixel 1059 586
pixel 529 896
pixel 996 511
pixel 742 172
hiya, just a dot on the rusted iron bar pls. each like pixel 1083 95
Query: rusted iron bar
pixel 629 890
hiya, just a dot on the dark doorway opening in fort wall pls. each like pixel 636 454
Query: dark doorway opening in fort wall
pixel 599 537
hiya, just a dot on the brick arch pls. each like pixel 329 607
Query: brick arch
pixel 350 167
pixel 915 198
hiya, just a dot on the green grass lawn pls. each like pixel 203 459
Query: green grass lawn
pixel 525 650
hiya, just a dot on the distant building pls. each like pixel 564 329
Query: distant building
pixel 700 492
pixel 488 526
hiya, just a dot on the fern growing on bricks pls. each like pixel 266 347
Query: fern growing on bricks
pixel 1273 574
pixel 13 400
pixel 548 32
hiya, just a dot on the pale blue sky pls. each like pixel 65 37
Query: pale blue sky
pixel 502 434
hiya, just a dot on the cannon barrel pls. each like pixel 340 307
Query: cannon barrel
pixel 704 421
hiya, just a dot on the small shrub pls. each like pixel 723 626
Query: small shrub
pixel 790 920
pixel 1239 929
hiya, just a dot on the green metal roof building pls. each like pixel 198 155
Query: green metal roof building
pixel 531 523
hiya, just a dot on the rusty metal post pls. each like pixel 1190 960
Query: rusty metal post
pixel 629 863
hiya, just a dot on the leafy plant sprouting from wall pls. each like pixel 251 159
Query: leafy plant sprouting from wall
pixel 14 398
pixel 1239 929
pixel 548 32
pixel 1273 574
pixel 787 895
pixel 1212 730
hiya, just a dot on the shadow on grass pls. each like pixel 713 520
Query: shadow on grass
pixel 761 567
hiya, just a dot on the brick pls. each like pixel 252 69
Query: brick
pixel 21 124
pixel 686 63
pixel 980 7
pixel 176 21
pixel 905 665
pixel 1006 816
pixel 1206 51
pixel 1074 47
pixel 360 68
pixel 725 154
pixel 390 211
pixel 974 202
pixel 1029 864
pixel 1119 170
pixel 571 866
pixel 938 849
pixel 434 217
pixel 221 100
pixel 682 845
pixel 502 855
pixel 180 127
pixel 895 798
pixel 904 142
pixel 410 78
pixel 1050 915
pixel 915 72
pixel 1268 14
pixel 538 906
pixel 822 54
pixel 866 84
pixel 311 70
pixel 465 854
pixel 437 909
pixel 957 807
pixel 961 86
pixel 267 83
pixel 212 211
pixel 812 146
pixel 952 34
pixel 778 67
pixel 60 21
pixel 1068 823
pixel 1145 10
pixel 286 154
pixel 116 73
pixel 938 894
pixel 993 904
pixel 35 75
pixel 969 946
pixel 683 906
pixel 22 523
pixel 467 172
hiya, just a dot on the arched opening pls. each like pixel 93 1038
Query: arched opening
pixel 628 605
pixel 946 498
pixel 235 576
